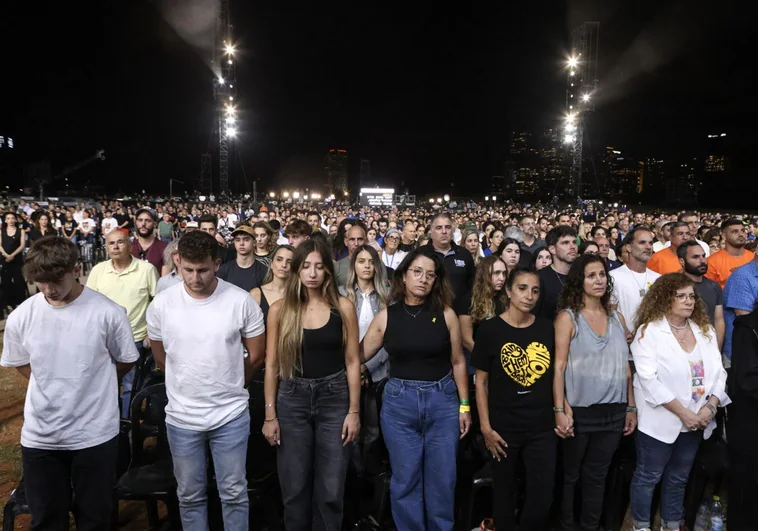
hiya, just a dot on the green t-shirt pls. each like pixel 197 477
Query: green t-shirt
pixel 165 229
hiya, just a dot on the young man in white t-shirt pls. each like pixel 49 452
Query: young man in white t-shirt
pixel 632 280
pixel 197 331
pixel 72 344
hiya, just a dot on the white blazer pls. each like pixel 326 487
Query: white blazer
pixel 663 374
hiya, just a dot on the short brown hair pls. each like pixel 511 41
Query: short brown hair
pixel 196 246
pixel 298 227
pixel 49 259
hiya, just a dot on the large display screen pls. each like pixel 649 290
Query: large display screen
pixel 377 196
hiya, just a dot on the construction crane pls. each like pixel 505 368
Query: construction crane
pixel 99 155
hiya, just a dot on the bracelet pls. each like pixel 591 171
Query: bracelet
pixel 631 409
pixel 353 412
pixel 558 410
pixel 271 420
pixel 464 409
pixel 464 402
pixel 711 408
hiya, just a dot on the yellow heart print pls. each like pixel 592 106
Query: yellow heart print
pixel 525 366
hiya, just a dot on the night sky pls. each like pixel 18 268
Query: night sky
pixel 430 95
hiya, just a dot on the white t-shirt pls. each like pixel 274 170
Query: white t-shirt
pixel 627 287
pixel 393 260
pixel 72 399
pixel 205 371
pixel 87 225
pixel 365 317
pixel 108 225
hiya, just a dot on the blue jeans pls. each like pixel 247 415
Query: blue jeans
pixel 421 430
pixel 672 462
pixel 229 451
pixel 311 459
pixel 127 383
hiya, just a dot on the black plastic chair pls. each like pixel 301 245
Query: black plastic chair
pixel 481 480
pixel 15 506
pixel 150 476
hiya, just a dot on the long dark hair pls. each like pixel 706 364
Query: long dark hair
pixel 572 296
pixel 441 295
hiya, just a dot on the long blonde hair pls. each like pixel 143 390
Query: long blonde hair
pixel 381 285
pixel 290 341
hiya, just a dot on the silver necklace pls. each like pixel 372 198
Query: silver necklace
pixel 685 325
pixel 643 288
pixel 405 307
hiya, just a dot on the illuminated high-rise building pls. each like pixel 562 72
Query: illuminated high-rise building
pixel 335 169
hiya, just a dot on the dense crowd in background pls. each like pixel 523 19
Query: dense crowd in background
pixel 574 328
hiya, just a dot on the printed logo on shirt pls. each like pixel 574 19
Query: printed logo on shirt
pixel 525 366
pixel 460 263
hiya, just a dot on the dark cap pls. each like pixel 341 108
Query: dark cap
pixel 142 210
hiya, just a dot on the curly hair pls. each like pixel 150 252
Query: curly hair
pixel 483 295
pixel 572 296
pixel 659 299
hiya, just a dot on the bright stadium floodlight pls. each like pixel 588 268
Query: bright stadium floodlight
pixel 295 195
pixel 229 49
pixel 568 139
pixel 431 200
pixel 231 132
pixel 494 198
pixel 572 62
pixel 439 200
pixel 220 80
pixel 272 195
pixel 286 194
pixel 586 98
pixel 570 128
pixel 446 198
pixel 230 120
pixel 486 198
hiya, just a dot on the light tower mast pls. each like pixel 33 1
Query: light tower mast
pixel 224 92
pixel 581 84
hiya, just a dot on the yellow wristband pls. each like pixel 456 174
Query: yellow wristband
pixel 464 409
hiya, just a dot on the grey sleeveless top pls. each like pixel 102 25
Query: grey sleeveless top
pixel 596 367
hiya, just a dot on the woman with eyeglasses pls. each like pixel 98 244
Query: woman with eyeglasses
pixel 486 300
pixel 425 406
pixel 369 294
pixel 588 247
pixel 312 389
pixel 679 383
pixel 493 240
pixel 391 255
pixel 513 357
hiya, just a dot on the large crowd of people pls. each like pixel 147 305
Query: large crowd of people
pixel 554 337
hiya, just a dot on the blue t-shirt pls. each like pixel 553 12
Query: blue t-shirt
pixel 740 293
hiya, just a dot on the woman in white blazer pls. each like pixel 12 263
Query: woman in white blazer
pixel 679 383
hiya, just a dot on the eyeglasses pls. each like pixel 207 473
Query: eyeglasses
pixel 392 239
pixel 417 273
pixel 683 297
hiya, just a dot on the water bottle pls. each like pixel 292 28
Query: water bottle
pixel 717 515
pixel 703 518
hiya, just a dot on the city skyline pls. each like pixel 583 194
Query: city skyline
pixel 429 97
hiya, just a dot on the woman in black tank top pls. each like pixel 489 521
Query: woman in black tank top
pixel 425 408
pixel 276 277
pixel 312 388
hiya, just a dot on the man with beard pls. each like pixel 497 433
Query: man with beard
pixel 632 280
pixel 531 242
pixel 695 264
pixel 244 271
pixel 733 255
pixel 561 242
pixel 146 245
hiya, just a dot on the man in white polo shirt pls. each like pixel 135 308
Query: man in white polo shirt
pixel 131 283
pixel 72 343
pixel 197 331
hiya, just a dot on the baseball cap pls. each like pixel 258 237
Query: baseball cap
pixel 141 210
pixel 247 229
pixel 191 225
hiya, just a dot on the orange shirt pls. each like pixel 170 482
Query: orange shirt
pixel 721 264
pixel 664 261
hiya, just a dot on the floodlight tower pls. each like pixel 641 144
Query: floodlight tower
pixel 224 92
pixel 581 84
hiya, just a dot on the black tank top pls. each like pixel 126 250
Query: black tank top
pixel 323 352
pixel 264 306
pixel 418 343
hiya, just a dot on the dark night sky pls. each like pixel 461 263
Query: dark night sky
pixel 429 95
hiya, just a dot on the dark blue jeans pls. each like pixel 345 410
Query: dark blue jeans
pixel 311 460
pixel 672 462
pixel 421 430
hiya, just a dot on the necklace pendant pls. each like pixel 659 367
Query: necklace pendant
pixel 642 292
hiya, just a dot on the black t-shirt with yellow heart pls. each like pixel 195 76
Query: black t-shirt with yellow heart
pixel 520 366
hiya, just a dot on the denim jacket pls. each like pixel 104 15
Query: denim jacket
pixel 379 365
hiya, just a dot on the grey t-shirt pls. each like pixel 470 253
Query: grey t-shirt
pixel 712 296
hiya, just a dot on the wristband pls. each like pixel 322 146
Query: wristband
pixel 464 402
pixel 631 409
pixel 558 410
pixel 712 409
pixel 271 420
pixel 464 409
